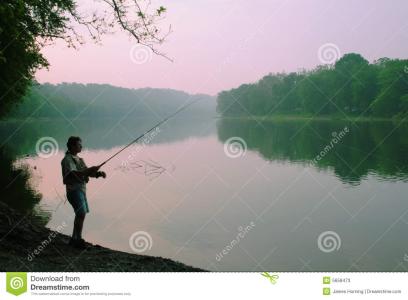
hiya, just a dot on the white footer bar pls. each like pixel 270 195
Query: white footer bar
pixel 206 286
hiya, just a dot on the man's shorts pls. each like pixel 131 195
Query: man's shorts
pixel 77 199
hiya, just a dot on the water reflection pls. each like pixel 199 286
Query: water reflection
pixel 20 137
pixel 194 209
pixel 379 148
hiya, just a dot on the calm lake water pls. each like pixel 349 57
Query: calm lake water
pixel 297 195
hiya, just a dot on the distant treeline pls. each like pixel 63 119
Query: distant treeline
pixel 72 100
pixel 352 86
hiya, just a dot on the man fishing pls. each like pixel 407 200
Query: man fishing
pixel 75 175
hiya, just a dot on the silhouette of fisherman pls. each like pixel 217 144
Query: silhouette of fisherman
pixel 75 176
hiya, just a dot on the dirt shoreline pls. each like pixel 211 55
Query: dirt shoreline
pixel 29 247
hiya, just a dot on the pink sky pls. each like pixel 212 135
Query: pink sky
pixel 220 44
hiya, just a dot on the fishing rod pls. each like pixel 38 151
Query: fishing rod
pixel 146 132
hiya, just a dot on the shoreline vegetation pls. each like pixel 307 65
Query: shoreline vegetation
pixel 330 118
pixel 27 245
pixel 350 86
pixel 76 101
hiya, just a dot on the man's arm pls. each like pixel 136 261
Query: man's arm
pixel 90 172
pixel 98 174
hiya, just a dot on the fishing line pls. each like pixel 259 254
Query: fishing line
pixel 154 167
pixel 62 200
pixel 148 168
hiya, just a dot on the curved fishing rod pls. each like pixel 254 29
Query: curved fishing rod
pixel 146 132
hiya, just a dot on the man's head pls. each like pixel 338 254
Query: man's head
pixel 74 144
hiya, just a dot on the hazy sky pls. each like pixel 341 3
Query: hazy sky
pixel 220 44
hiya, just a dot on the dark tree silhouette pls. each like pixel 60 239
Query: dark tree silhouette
pixel 27 26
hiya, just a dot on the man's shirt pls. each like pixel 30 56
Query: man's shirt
pixel 73 163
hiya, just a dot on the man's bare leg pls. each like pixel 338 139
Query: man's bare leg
pixel 78 225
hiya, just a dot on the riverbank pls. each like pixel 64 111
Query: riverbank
pixel 27 246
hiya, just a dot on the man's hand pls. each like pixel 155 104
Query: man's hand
pixel 93 169
pixel 88 172
pixel 100 174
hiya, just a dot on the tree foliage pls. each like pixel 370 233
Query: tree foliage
pixel 352 86
pixel 27 26
pixel 73 101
